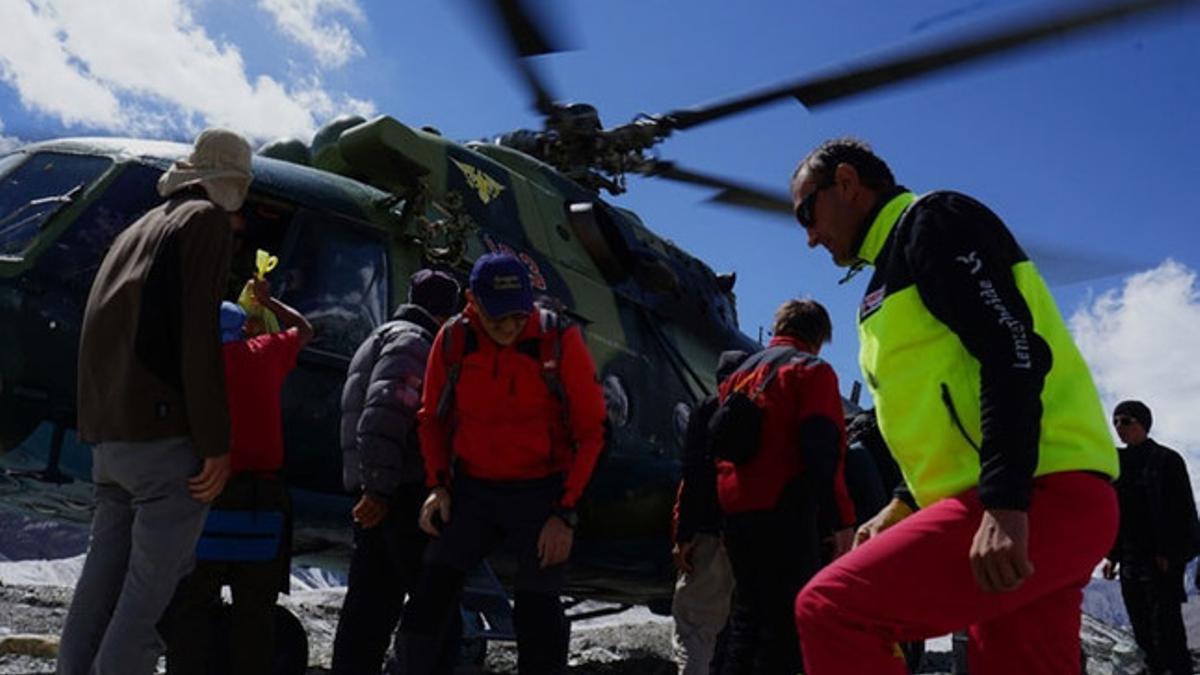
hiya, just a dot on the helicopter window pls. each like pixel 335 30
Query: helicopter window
pixel 32 192
pixel 266 227
pixel 337 276
pixel 73 259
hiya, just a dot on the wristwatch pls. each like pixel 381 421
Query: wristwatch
pixel 568 516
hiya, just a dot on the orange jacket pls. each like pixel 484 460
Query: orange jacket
pixel 506 422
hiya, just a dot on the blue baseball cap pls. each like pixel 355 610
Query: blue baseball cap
pixel 233 317
pixel 501 284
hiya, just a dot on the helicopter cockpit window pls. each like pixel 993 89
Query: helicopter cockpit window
pixel 337 275
pixel 33 191
pixel 75 256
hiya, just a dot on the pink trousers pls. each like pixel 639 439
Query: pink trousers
pixel 914 581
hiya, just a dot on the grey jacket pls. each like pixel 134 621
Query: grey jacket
pixel 379 405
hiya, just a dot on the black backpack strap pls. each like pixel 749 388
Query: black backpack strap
pixel 458 340
pixel 774 358
pixel 553 324
pixel 776 362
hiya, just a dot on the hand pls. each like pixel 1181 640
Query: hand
pixel 369 511
pixel 1109 571
pixel 840 543
pixel 554 543
pixel 682 554
pixel 206 485
pixel 261 288
pixel 437 503
pixel 1000 551
pixel 888 516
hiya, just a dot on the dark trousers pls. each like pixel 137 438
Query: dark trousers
pixel 484 517
pixel 773 554
pixel 1153 600
pixel 194 616
pixel 384 568
pixel 255 585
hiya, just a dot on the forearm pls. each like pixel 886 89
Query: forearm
pixel 580 472
pixel 289 317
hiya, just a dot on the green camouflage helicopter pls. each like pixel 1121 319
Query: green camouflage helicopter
pixel 367 203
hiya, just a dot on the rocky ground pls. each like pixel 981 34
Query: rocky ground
pixel 44 559
pixel 30 615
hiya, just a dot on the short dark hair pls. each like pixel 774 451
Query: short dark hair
pixel 805 320
pixel 1137 410
pixel 824 160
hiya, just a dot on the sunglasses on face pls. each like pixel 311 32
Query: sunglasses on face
pixel 1122 421
pixel 804 210
pixel 511 317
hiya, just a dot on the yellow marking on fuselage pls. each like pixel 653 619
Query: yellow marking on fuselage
pixel 485 186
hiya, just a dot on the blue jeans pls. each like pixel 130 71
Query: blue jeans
pixel 144 534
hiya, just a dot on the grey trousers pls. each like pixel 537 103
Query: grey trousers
pixel 144 534
pixel 701 605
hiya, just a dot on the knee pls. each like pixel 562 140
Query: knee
pixel 540 607
pixel 812 607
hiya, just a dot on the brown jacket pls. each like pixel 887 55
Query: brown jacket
pixel 150 354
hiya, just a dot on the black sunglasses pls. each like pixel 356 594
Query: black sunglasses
pixel 804 210
pixel 1122 421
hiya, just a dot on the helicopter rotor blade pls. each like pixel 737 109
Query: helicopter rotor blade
pixel 856 80
pixel 729 192
pixel 527 37
pixel 1059 264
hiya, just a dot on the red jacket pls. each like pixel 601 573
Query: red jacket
pixel 255 370
pixel 802 388
pixel 507 423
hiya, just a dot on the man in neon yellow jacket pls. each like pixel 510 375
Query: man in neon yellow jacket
pixel 991 413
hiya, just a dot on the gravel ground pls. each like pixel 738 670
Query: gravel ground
pixel 632 643
pixel 642 646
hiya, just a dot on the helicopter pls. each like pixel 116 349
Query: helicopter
pixel 353 213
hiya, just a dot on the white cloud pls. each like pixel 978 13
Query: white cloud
pixel 140 66
pixel 310 23
pixel 1140 341
pixel 8 142
pixel 35 61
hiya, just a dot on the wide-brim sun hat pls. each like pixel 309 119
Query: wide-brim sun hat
pixel 219 163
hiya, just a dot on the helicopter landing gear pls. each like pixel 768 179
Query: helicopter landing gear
pixel 52 473
pixel 15 426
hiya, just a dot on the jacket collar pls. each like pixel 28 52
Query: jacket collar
pixel 415 314
pixel 789 341
pixel 879 222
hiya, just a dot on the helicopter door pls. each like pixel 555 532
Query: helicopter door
pixel 336 273
pixel 593 228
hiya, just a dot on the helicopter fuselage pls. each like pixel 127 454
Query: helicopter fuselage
pixel 655 318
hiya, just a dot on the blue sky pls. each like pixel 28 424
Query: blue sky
pixel 1087 144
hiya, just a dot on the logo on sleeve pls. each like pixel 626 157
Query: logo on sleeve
pixel 871 302
pixel 972 261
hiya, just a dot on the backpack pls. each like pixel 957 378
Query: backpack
pixel 735 429
pixel 459 340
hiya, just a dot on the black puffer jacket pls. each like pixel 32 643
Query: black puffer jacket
pixel 380 402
